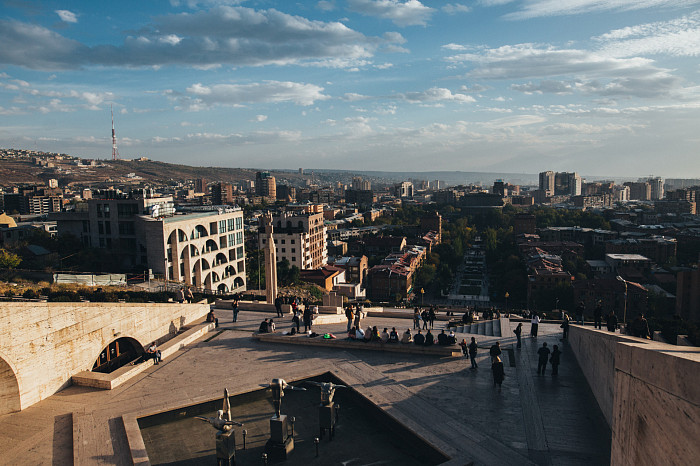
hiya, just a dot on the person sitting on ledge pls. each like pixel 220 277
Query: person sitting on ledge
pixel 212 318
pixel 359 333
pixel 429 339
pixel 452 338
pixel 442 338
pixel 271 326
pixel 393 336
pixel 352 333
pixel 154 353
pixel 368 334
pixel 407 337
pixel 375 334
pixel 264 326
pixel 419 339
pixel 384 337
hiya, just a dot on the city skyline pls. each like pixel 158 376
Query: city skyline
pixel 493 85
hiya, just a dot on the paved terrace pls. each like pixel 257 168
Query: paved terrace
pixel 534 420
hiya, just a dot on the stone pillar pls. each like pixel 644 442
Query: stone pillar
pixel 270 261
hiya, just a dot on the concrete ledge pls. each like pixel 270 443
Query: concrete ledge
pixel 139 455
pixel 343 343
pixel 121 375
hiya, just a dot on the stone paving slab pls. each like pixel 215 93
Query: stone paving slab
pixel 465 399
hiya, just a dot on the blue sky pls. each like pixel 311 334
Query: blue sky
pixel 599 87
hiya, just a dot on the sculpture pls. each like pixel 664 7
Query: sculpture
pixel 222 421
pixel 327 390
pixel 225 436
pixel 278 386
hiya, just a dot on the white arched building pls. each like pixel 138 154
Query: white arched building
pixel 202 249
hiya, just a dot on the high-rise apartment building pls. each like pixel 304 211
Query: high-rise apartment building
pixel 657 188
pixel 200 186
pixel 265 185
pixel 640 191
pixel 221 193
pixel 547 182
pixel 300 238
pixel 358 184
pixel 567 184
pixel 404 189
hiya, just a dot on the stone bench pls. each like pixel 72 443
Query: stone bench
pixel 124 373
pixel 345 343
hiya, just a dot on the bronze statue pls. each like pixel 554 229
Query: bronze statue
pixel 327 390
pixel 222 421
pixel 278 386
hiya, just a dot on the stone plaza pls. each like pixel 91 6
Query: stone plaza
pixel 557 420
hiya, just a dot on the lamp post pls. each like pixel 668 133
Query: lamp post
pixel 421 296
pixel 624 312
pixel 507 295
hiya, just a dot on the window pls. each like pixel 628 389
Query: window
pixel 212 228
pixel 127 210
pixel 282 241
pixel 239 252
pixel 231 239
pixel 222 242
pixel 239 223
pixel 222 226
pixel 108 228
pixel 292 241
pixel 106 210
pixel 101 228
pixel 294 259
pixel 231 224
pixel 263 241
pixel 99 210
pixel 284 250
pixel 294 250
pixel 86 226
pixel 102 242
pixel 239 237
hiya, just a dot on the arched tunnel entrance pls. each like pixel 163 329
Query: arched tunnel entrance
pixel 9 389
pixel 117 354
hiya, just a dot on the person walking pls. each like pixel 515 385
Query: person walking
pixel 472 353
pixel 598 316
pixel 498 372
pixel 495 350
pixel 535 323
pixel 554 360
pixel 416 319
pixel 278 306
pixel 544 355
pixel 189 297
pixel 425 318
pixel 431 316
pixel 580 311
pixel 518 333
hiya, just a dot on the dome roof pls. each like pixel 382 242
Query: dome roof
pixel 7 221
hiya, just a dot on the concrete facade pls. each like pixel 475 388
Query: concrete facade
pixel 649 394
pixel 42 345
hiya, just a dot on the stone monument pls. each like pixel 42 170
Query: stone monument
pixel 280 444
pixel 270 261
pixel 225 436
pixel 328 409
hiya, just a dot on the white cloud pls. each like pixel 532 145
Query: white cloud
pixel 224 35
pixel 514 121
pixel 678 37
pixel 326 5
pixel 67 16
pixel 260 118
pixel 408 13
pixel 454 8
pixel 202 96
pixel 435 94
pixel 543 8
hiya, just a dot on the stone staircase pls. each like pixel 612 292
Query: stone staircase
pixel 491 328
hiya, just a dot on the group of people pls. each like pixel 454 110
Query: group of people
pixel 354 314
pixel 184 294
pixel 427 316
pixel 427 339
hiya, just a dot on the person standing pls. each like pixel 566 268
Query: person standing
pixel 580 311
pixel 234 307
pixel 431 316
pixel 349 315
pixel 598 316
pixel 188 295
pixel 296 319
pixel 565 326
pixel 544 355
pixel 644 328
pixel 425 318
pixel 554 360
pixel 358 317
pixel 472 353
pixel 535 323
pixel 611 321
pixel 307 318
pixel 495 350
pixel 416 319
pixel 278 306
pixel 518 333
pixel 498 371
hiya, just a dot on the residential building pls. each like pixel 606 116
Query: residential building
pixel 266 185
pixel 300 238
pixel 547 182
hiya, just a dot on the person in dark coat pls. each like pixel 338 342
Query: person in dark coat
pixel 419 339
pixel 278 306
pixel 498 371
pixel 611 321
pixel 565 326
pixel 472 353
pixel 598 316
pixel 429 339
pixel 495 350
pixel 442 338
pixel 518 333
pixel 544 355
pixel 431 316
pixel 307 318
pixel 554 360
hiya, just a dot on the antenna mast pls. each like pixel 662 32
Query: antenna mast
pixel 115 152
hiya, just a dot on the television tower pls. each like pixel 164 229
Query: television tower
pixel 115 151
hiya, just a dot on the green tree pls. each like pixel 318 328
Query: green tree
pixel 9 260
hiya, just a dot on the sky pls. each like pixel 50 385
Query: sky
pixel 601 87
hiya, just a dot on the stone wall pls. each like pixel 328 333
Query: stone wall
pixel 649 393
pixel 43 344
